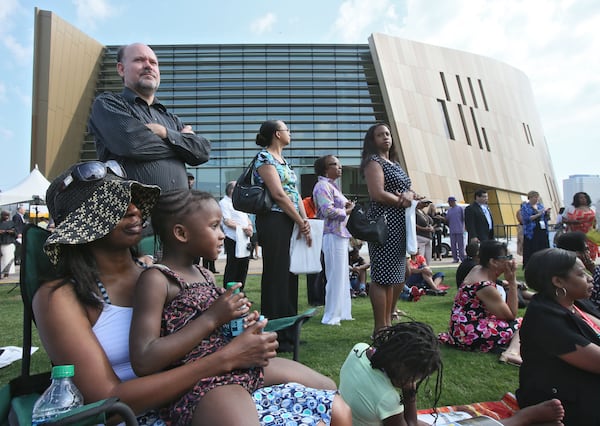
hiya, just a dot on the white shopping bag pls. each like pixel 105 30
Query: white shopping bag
pixel 242 243
pixel 411 228
pixel 304 259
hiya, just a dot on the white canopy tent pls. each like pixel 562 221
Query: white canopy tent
pixel 31 189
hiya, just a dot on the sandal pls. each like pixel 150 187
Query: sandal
pixel 397 314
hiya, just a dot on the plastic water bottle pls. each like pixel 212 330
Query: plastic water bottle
pixel 61 396
pixel 236 325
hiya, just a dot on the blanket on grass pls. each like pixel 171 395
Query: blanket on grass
pixel 497 410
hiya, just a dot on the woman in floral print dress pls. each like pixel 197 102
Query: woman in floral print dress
pixel 481 319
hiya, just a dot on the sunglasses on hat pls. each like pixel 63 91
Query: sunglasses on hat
pixel 91 171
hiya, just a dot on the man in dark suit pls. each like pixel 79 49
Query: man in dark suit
pixel 19 221
pixel 478 218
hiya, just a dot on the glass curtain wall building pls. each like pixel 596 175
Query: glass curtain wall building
pixel 327 94
pixel 461 121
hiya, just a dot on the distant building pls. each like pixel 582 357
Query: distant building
pixel 461 121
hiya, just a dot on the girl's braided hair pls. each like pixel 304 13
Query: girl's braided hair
pixel 171 207
pixel 408 352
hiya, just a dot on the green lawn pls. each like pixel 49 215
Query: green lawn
pixel 467 377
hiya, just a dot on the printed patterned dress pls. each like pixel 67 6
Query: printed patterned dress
pixel 290 403
pixel 388 261
pixel 587 220
pixel 472 327
pixel 189 304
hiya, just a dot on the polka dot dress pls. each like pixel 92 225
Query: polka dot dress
pixel 388 261
pixel 293 404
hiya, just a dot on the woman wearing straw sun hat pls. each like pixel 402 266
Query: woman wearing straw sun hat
pixel 83 317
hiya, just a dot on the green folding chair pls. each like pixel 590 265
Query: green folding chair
pixel 147 245
pixel 295 323
pixel 19 395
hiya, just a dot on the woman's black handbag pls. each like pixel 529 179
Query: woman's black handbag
pixel 373 230
pixel 248 197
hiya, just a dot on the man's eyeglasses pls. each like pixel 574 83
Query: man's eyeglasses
pixel 507 257
pixel 92 171
pixel 284 130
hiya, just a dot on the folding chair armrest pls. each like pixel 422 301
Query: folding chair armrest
pixel 96 413
pixel 296 323
pixel 20 409
pixel 285 322
pixel 89 414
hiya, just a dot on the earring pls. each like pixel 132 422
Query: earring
pixel 564 291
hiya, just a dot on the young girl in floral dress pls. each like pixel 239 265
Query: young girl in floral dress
pixel 180 315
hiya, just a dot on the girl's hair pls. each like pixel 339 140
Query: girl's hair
pixel 264 137
pixel 576 203
pixel 491 249
pixel 545 264
pixel 369 147
pixel 172 207
pixel 408 352
pixel 321 165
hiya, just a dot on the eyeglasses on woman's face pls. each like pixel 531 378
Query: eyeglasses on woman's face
pixel 284 130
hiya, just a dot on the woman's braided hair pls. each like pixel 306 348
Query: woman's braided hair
pixel 408 352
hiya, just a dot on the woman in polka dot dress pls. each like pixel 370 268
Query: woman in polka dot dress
pixel 390 194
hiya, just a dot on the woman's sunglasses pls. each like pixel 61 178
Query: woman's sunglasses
pixel 91 171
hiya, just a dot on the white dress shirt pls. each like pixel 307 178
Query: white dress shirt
pixel 229 213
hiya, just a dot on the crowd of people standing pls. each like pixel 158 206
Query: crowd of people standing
pixel 141 184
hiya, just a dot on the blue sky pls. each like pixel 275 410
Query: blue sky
pixel 555 42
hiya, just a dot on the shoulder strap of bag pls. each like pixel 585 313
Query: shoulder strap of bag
pixel 246 177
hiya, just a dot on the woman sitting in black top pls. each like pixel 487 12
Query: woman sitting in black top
pixel 560 343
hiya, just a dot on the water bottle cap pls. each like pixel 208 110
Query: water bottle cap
pixel 231 284
pixel 62 371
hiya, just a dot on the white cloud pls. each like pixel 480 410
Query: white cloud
pixel 90 12
pixel 264 23
pixel 7 9
pixel 22 54
pixel 554 43
pixel 356 18
pixel 3 97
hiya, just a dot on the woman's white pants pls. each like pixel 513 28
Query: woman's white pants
pixel 338 303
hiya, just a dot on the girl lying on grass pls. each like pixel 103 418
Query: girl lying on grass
pixel 402 357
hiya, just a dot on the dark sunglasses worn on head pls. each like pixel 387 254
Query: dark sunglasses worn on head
pixel 507 257
pixel 90 171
